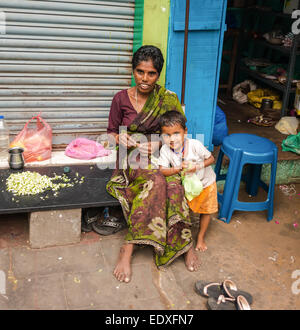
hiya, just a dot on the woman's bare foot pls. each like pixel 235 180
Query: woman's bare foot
pixel 122 270
pixel 201 246
pixel 191 260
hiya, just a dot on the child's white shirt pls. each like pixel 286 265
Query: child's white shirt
pixel 196 152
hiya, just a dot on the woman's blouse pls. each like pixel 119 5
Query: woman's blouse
pixel 122 112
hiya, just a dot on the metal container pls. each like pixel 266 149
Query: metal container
pixel 16 159
pixel 266 104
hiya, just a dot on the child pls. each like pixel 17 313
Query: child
pixel 180 153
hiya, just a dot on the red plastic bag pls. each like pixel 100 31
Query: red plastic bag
pixel 36 142
pixel 83 148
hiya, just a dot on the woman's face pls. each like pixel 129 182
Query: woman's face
pixel 145 76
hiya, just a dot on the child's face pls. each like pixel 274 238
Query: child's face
pixel 173 136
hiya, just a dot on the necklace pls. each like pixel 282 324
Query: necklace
pixel 178 152
pixel 136 99
pixel 181 153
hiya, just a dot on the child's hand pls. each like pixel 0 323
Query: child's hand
pixel 188 167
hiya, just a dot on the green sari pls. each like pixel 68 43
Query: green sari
pixel 154 206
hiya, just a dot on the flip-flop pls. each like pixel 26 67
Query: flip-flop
pixel 88 217
pixel 223 303
pixel 86 227
pixel 227 288
pixel 109 226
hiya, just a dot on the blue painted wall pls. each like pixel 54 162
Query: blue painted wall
pixel 205 41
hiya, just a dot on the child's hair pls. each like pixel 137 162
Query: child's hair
pixel 171 118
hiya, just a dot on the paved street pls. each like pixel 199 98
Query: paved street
pixel 260 256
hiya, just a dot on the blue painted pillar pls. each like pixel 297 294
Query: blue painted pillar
pixel 205 43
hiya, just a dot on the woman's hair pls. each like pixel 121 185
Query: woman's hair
pixel 146 53
pixel 171 118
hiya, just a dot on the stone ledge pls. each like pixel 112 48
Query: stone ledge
pixel 59 158
pixel 52 228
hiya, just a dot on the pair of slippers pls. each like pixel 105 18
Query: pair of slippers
pixel 224 296
pixel 101 222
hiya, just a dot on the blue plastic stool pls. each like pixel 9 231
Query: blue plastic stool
pixel 244 149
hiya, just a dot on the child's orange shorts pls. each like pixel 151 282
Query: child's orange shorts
pixel 206 202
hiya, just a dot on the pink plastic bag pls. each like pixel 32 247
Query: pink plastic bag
pixel 83 148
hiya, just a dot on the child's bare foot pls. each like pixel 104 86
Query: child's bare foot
pixel 201 246
pixel 122 271
pixel 204 222
pixel 191 260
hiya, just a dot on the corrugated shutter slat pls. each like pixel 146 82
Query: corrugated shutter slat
pixel 65 58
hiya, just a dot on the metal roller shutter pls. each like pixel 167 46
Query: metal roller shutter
pixel 65 58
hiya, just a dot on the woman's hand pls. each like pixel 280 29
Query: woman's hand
pixel 125 140
pixel 147 148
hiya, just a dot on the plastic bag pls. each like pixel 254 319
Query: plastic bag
pixel 255 98
pixel 287 125
pixel 36 142
pixel 83 148
pixel 192 186
pixel 220 127
pixel 240 91
pixel 292 143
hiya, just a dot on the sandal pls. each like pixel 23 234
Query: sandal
pixel 227 288
pixel 109 226
pixel 86 227
pixel 223 303
pixel 89 216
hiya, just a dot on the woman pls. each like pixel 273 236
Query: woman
pixel 154 207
